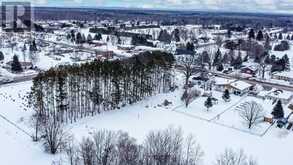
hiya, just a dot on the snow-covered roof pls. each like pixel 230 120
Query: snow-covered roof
pixel 285 74
pixel 223 81
pixel 241 85
pixel 280 94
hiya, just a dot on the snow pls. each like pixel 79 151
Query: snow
pixel 241 85
pixel 223 81
pixel 17 147
pixel 214 133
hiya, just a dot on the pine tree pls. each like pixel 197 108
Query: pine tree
pixel 89 38
pixel 259 36
pixel 280 36
pixel 237 62
pixel 286 62
pixel 15 65
pixel 220 67
pixel 78 38
pixel 164 36
pixel 292 37
pixel 278 111
pixel 218 58
pixel 83 39
pixel 1 56
pixel 226 95
pixel 251 34
pixel 119 41
pixel 208 103
pixel 33 46
pixel 190 46
pixel 267 45
pixel 229 33
pixel 98 37
pixel 176 35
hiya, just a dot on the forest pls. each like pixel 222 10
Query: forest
pixel 68 93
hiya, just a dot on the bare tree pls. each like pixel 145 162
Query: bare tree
pixel 87 151
pixel 72 153
pixel 251 112
pixel 128 150
pixel 164 147
pixel 230 157
pixel 193 152
pixel 55 136
pixel 187 63
pixel 105 142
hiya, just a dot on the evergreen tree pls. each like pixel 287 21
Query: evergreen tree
pixel 275 36
pixel 292 37
pixel 164 36
pixel 280 36
pixel 119 40
pixel 89 38
pixel 251 34
pixel 220 67
pixel 190 46
pixel 15 65
pixel 237 62
pixel 208 103
pixel 83 38
pixel 278 111
pixel 1 56
pixel 98 37
pixel 33 46
pixel 78 38
pixel 229 33
pixel 226 95
pixel 286 62
pixel 176 35
pixel 267 45
pixel 288 37
pixel 226 58
pixel 259 36
pixel 218 58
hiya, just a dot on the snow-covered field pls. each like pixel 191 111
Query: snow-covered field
pixel 138 120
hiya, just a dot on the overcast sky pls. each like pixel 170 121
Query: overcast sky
pixel 284 6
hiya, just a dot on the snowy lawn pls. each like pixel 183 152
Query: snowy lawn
pixel 138 120
pixel 197 108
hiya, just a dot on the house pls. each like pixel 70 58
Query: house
pixel 98 43
pixel 249 70
pixel 234 86
pixel 284 96
pixel 105 54
pixel 183 51
pixel 240 87
pixel 221 84
pixel 286 76
pixel 199 79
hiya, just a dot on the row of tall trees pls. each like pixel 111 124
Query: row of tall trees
pixel 68 93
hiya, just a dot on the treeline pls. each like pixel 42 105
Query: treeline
pixel 166 147
pixel 68 93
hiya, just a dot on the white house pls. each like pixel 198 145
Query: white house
pixel 234 86
pixel 286 76
pixel 284 96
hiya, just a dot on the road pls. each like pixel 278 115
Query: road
pixel 19 79
pixel 256 82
